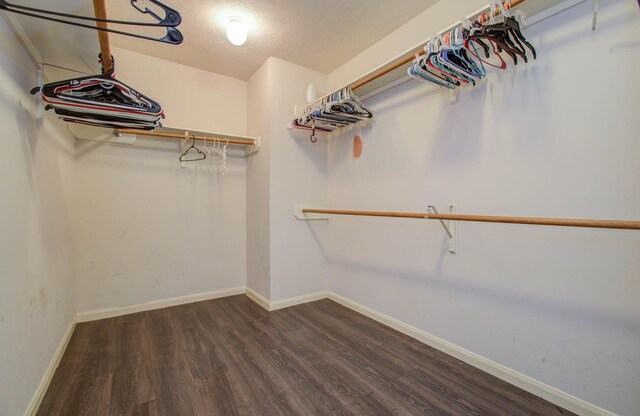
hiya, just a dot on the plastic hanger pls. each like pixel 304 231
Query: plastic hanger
pixel 338 109
pixel 477 34
pixel 101 100
pixel 439 64
pixel 515 21
pixel 453 59
pixel 506 35
pixel 222 153
pixel 418 72
pixel 199 155
pixel 470 45
pixel 431 50
pixel 170 20
pixel 474 64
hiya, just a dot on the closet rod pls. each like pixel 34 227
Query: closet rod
pixel 411 57
pixel 622 225
pixel 245 142
pixel 100 10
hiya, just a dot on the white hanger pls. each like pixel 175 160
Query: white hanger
pixel 224 160
pixel 204 144
pixel 519 15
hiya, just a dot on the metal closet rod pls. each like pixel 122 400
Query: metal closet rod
pixel 245 142
pixel 411 57
pixel 561 222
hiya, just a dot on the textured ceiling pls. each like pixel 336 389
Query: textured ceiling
pixel 318 34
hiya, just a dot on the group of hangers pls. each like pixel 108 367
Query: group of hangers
pixel 102 101
pixel 453 60
pixel 448 61
pixel 219 149
pixel 170 21
pixel 342 108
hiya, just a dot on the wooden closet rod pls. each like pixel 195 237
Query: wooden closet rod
pixel 564 222
pixel 407 59
pixel 245 142
pixel 100 10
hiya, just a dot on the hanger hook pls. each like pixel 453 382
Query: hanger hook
pixel 313 137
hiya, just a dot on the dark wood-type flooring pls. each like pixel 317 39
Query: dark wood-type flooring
pixel 230 357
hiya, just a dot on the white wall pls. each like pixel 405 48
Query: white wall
pixel 37 299
pixel 191 98
pixel 554 138
pixel 298 175
pixel 284 260
pixel 258 168
pixel 147 229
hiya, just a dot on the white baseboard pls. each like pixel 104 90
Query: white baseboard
pixel 284 303
pixel 157 304
pixel 298 300
pixel 32 409
pixel 258 298
pixel 526 383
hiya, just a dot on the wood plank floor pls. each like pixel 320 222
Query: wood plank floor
pixel 230 357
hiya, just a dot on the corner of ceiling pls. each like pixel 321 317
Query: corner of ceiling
pixel 23 37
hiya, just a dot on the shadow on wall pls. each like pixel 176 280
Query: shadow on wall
pixel 314 152
pixel 421 116
pixel 512 300
pixel 153 156
pixel 14 52
pixel 353 137
pixel 317 239
pixel 26 124
pixel 46 174
pixel 457 133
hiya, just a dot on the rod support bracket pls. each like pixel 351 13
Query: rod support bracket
pixel 449 226
pixel 255 148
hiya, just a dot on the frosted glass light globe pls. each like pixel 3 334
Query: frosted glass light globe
pixel 236 31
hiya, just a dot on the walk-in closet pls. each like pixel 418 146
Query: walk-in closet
pixel 299 207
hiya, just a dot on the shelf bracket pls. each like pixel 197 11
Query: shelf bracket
pixel 449 226
pixel 253 149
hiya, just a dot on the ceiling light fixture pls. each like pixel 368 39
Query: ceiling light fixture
pixel 236 30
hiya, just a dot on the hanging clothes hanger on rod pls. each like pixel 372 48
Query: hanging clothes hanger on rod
pixel 447 64
pixel 340 109
pixel 503 33
pixel 453 60
pixel 170 21
pixel 220 151
pixel 102 101
pixel 199 155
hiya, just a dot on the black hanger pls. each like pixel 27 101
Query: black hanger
pixel 509 38
pixel 518 36
pixel 200 154
pixel 171 19
pixel 101 100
